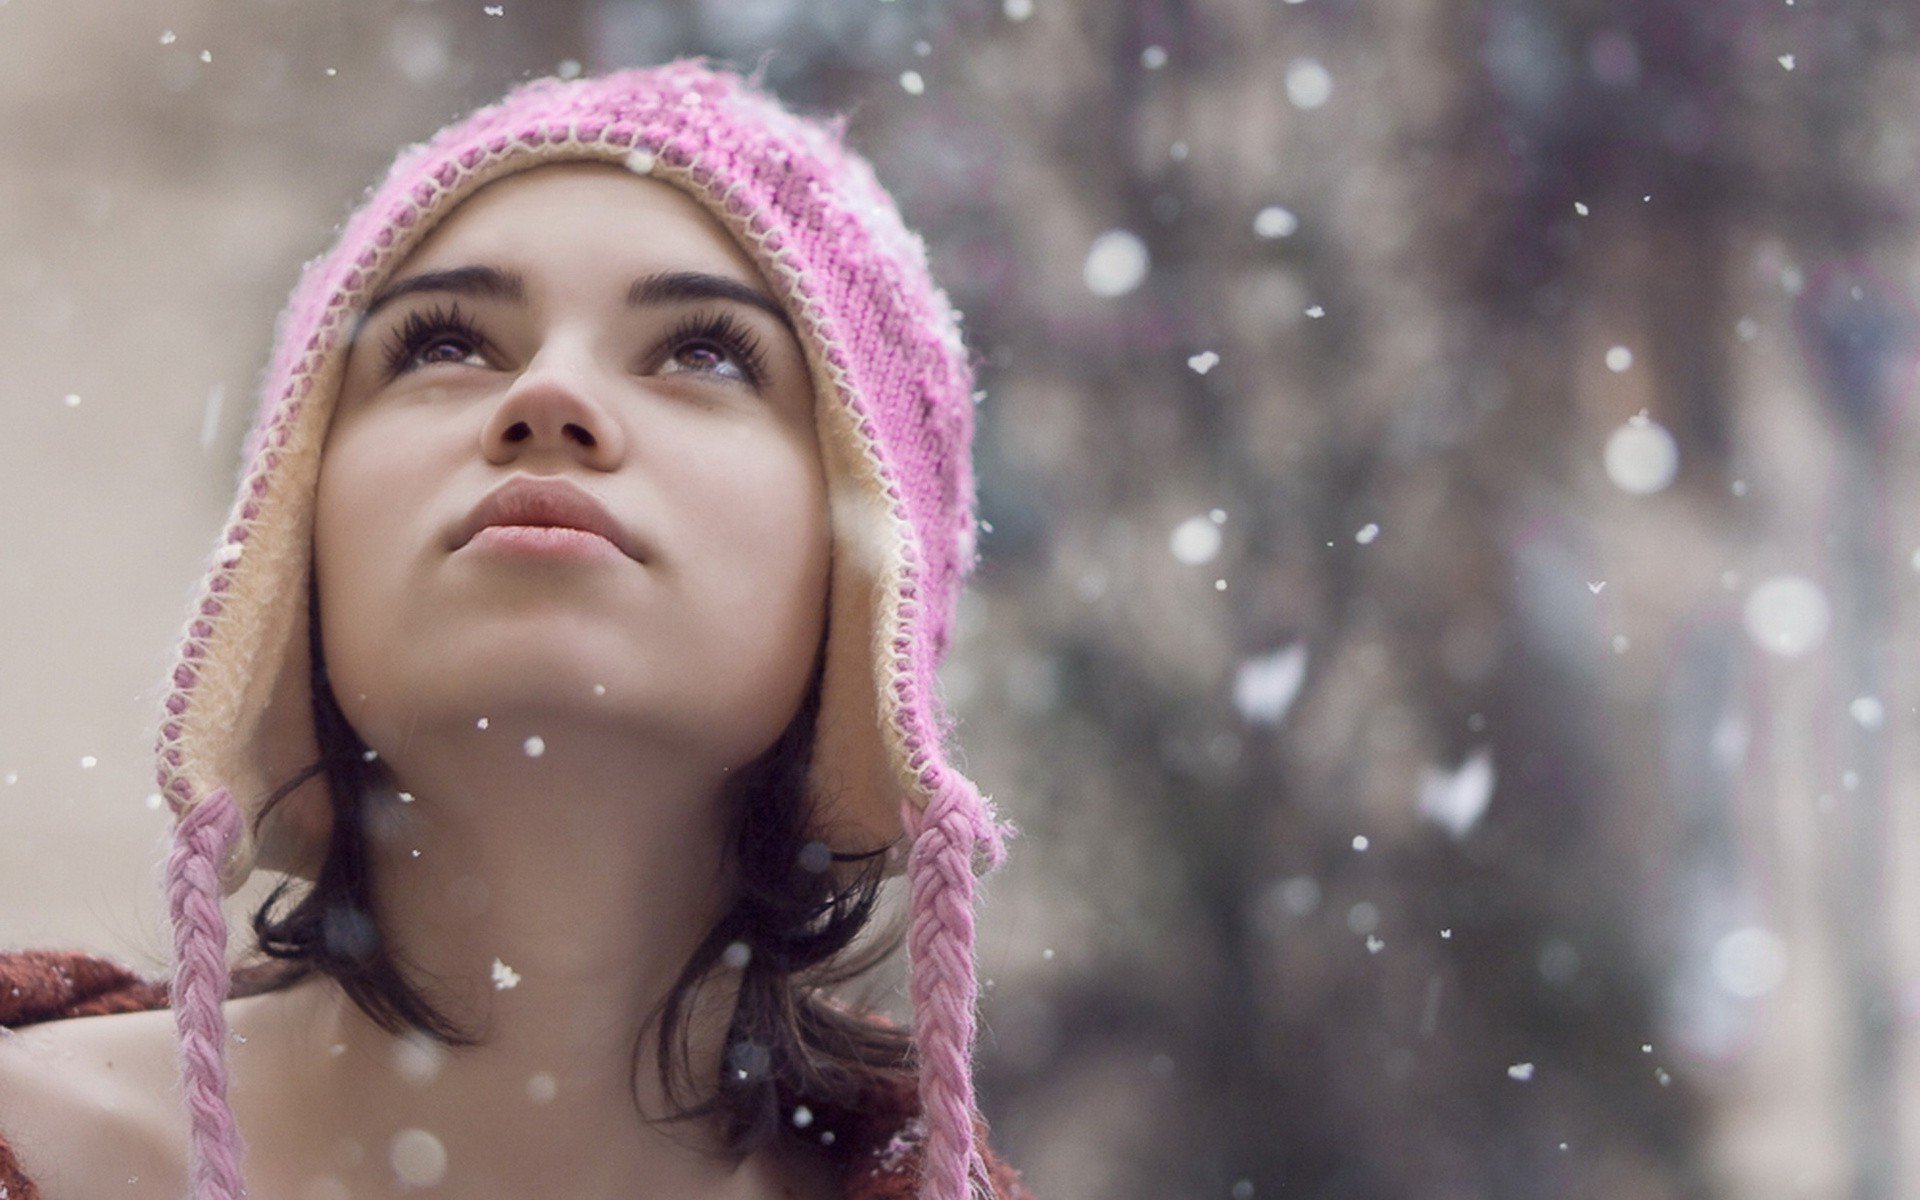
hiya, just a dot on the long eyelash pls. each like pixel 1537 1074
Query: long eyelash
pixel 722 329
pixel 422 329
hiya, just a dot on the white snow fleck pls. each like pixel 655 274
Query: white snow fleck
pixel 210 415
pixel 1749 962
pixel 167 37
pixel 482 723
pixel 1217 515
pixel 1620 643
pixel 541 1088
pixel 1456 800
pixel 1596 586
pixel 1375 944
pixel 1273 221
pixel 1017 10
pixel 1446 935
pixel 1046 955
pixel 1738 487
pixel 568 68
pixel 416 1156
pixel 230 553
pixel 535 746
pixel 1219 585
pixel 504 976
pixel 332 71
pixel 1641 457
pixel 1661 1077
pixel 1522 1071
pixel 495 10
pixel 88 762
pixel 1116 263
pixel 1746 329
pixel 1264 688
pixel 1786 60
pixel 1646 1047
pixel 1367 534
pixel 1580 208
pixel 1787 615
pixel 1308 83
pixel 1195 540
pixel 153 799
pixel 1619 358
pixel 1153 57
pixel 206 56
pixel 640 161
pixel 1360 841
pixel 417 1058
pixel 1203 362
pixel 1868 711
pixel 736 956
pixel 13 777
pixel 72 400
pixel 1316 311
pixel 599 689
pixel 802 1117
pixel 912 83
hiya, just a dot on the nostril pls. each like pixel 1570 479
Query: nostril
pixel 518 432
pixel 580 434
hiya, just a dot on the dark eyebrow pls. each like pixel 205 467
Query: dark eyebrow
pixel 668 287
pixel 665 287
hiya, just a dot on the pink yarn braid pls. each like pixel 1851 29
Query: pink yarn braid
pixel 940 940
pixel 200 984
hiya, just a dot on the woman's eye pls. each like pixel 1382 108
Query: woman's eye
pixel 445 350
pixel 438 336
pixel 707 358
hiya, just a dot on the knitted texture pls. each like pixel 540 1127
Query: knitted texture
pixel 894 409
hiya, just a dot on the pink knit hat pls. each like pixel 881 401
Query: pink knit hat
pixel 894 409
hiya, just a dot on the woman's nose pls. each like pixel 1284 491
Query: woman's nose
pixel 550 407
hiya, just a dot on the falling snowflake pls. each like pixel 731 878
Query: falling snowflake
pixel 1641 457
pixel 1309 84
pixel 1619 358
pixel 1522 1071
pixel 1273 221
pixel 1868 711
pixel 912 83
pixel 1196 540
pixel 535 746
pixel 1580 208
pixel 1203 362
pixel 504 976
pixel 1786 60
pixel 1117 262
pixel 1264 688
pixel 1367 534
pixel 1456 800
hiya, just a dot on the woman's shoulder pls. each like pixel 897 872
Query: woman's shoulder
pixel 79 1080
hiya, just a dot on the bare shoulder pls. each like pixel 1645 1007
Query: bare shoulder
pixel 81 1107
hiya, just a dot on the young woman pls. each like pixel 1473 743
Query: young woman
pixel 575 634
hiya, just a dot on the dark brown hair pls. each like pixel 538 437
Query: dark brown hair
pixel 788 1042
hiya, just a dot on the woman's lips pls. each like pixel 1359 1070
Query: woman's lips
pixel 544 541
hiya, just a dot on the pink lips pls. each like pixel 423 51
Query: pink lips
pixel 546 515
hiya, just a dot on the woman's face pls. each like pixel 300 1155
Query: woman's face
pixel 594 333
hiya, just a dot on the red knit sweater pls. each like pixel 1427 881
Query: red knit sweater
pixel 877 1150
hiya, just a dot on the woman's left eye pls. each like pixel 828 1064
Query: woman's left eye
pixel 716 345
pixel 434 337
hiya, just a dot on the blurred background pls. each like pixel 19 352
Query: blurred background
pixel 1448 624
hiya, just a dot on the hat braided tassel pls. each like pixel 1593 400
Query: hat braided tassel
pixel 200 984
pixel 944 987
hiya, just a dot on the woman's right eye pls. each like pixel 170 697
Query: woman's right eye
pixel 437 336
